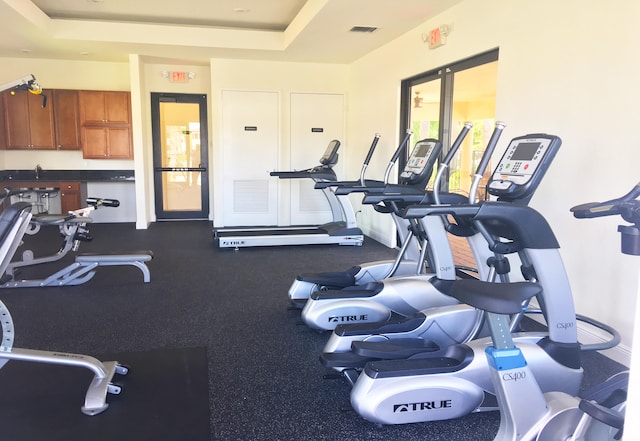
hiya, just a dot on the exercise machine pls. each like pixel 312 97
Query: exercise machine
pixel 458 377
pixel 526 413
pixel 352 345
pixel 74 230
pixel 342 230
pixel 413 179
pixel 515 179
pixel 402 296
pixel 14 222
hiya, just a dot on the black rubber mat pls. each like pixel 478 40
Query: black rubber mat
pixel 164 397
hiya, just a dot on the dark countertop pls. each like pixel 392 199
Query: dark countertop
pixel 69 175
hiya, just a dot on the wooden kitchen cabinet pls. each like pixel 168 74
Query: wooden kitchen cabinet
pixel 105 119
pixel 28 125
pixel 106 142
pixel 66 115
pixel 72 196
pixel 105 107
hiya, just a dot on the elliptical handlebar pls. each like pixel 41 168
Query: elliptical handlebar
pixel 447 160
pixel 484 162
pixel 396 155
pixel 374 143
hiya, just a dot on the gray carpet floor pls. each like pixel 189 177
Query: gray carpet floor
pixel 264 378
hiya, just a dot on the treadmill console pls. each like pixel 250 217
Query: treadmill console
pixel 330 156
pixel 420 164
pixel 522 166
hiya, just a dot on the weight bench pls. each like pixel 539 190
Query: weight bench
pixel 14 221
pixel 72 228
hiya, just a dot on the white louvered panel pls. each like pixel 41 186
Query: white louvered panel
pixel 251 196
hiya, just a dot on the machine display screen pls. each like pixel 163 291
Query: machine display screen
pixel 525 151
pixel 331 148
pixel 422 150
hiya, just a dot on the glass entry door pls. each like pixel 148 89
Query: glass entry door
pixel 179 124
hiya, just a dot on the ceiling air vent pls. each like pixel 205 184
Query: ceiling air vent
pixel 363 29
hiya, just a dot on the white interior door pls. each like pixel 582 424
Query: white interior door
pixel 250 142
pixel 316 119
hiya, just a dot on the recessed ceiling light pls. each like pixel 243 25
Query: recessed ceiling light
pixel 241 10
pixel 95 1
pixel 85 53
pixel 25 51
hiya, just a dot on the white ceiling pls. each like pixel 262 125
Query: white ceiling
pixel 197 30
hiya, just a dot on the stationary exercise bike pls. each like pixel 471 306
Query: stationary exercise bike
pixel 413 180
pixel 526 413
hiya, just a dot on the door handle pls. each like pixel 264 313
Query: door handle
pixel 180 169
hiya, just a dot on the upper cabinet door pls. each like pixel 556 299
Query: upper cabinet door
pixel 118 107
pixel 104 107
pixel 66 114
pixel 29 125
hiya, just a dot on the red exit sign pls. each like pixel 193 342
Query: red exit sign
pixel 178 77
pixel 438 36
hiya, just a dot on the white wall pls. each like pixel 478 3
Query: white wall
pixel 566 68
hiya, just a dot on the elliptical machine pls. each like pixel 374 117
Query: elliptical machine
pixel 454 381
pixel 515 179
pixel 526 413
pixel 414 179
pixel 398 296
pixel 393 300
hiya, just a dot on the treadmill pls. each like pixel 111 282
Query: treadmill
pixel 342 230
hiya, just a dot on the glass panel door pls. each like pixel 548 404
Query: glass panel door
pixel 474 100
pixel 425 111
pixel 180 156
pixel 436 105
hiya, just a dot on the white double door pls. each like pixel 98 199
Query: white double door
pixel 252 124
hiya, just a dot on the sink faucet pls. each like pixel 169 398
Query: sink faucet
pixel 38 169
